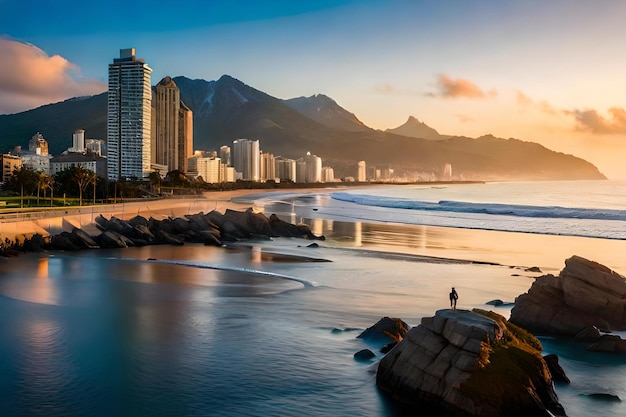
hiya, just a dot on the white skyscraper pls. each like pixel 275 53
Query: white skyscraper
pixel 362 171
pixel 78 141
pixel 246 159
pixel 129 117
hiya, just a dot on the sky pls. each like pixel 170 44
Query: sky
pixel 551 72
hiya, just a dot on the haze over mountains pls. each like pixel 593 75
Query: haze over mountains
pixel 227 109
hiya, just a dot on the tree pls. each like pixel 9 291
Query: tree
pixel 44 182
pixel 82 177
pixel 23 179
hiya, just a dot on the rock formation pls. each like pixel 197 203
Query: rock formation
pixel 213 228
pixel 389 329
pixel 463 363
pixel 585 294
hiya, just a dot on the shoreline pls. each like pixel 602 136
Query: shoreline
pixel 514 249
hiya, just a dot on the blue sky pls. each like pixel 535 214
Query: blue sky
pixel 552 72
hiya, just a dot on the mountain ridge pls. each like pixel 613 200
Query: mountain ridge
pixel 228 109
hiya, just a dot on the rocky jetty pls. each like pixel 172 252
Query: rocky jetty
pixel 213 228
pixel 584 299
pixel 469 363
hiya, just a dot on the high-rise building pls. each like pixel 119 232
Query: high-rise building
pixel 9 163
pixel 267 167
pixel 246 159
pixel 129 117
pixel 225 155
pixel 362 171
pixel 313 168
pixel 38 144
pixel 328 174
pixel 285 169
pixel 78 141
pixel 172 127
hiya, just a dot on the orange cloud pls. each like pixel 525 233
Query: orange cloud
pixel 590 120
pixel 30 78
pixel 460 87
pixel 525 101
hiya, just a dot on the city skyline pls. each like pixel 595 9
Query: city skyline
pixel 546 72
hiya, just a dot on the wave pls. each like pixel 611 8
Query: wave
pixel 550 212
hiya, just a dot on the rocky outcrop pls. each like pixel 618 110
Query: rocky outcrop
pixel 463 363
pixel 213 228
pixel 388 329
pixel 584 295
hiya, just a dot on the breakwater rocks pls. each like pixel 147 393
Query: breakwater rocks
pixel 585 300
pixel 469 363
pixel 213 228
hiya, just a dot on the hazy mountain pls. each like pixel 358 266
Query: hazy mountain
pixel 227 109
pixel 326 111
pixel 415 129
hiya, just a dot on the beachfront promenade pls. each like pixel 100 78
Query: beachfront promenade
pixel 27 222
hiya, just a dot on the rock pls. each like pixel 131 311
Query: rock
pixel 533 269
pixel 35 243
pixel 462 363
pixel 388 347
pixel 609 344
pixel 181 225
pixel 386 328
pixel 64 241
pixel 557 373
pixel 83 239
pixel 364 355
pixel 110 239
pixel 602 396
pixel 313 245
pixel 495 303
pixel 282 228
pixel 585 294
pixel 138 221
pixel 168 238
pixel 588 334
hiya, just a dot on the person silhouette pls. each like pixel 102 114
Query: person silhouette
pixel 453 297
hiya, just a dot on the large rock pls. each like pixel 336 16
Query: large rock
pixel 462 363
pixel 387 328
pixel 584 294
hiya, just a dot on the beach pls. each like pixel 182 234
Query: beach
pixel 257 328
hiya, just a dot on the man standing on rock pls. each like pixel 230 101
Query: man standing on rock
pixel 453 297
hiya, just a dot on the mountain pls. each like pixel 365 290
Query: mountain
pixel 415 129
pixel 57 122
pixel 326 111
pixel 228 109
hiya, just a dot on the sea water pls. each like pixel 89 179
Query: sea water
pixel 262 328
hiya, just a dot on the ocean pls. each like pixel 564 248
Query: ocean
pixel 269 327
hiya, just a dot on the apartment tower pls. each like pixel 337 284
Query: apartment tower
pixel 172 127
pixel 129 117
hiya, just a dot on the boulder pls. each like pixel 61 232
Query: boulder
pixel 584 294
pixel 463 363
pixel 168 238
pixel 110 239
pixel 282 228
pixel 588 334
pixel 389 329
pixel 364 355
pixel 495 303
pixel 557 373
pixel 138 221
pixel 64 241
pixel 83 239
pixel 610 344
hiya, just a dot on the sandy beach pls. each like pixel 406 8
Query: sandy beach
pixel 547 252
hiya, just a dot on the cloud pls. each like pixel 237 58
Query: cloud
pixel 591 120
pixel 30 78
pixel 542 105
pixel 460 87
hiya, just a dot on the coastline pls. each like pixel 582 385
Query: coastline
pixel 547 252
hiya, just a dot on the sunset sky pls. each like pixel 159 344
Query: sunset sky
pixel 552 72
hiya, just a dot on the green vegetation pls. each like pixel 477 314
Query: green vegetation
pixel 511 366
